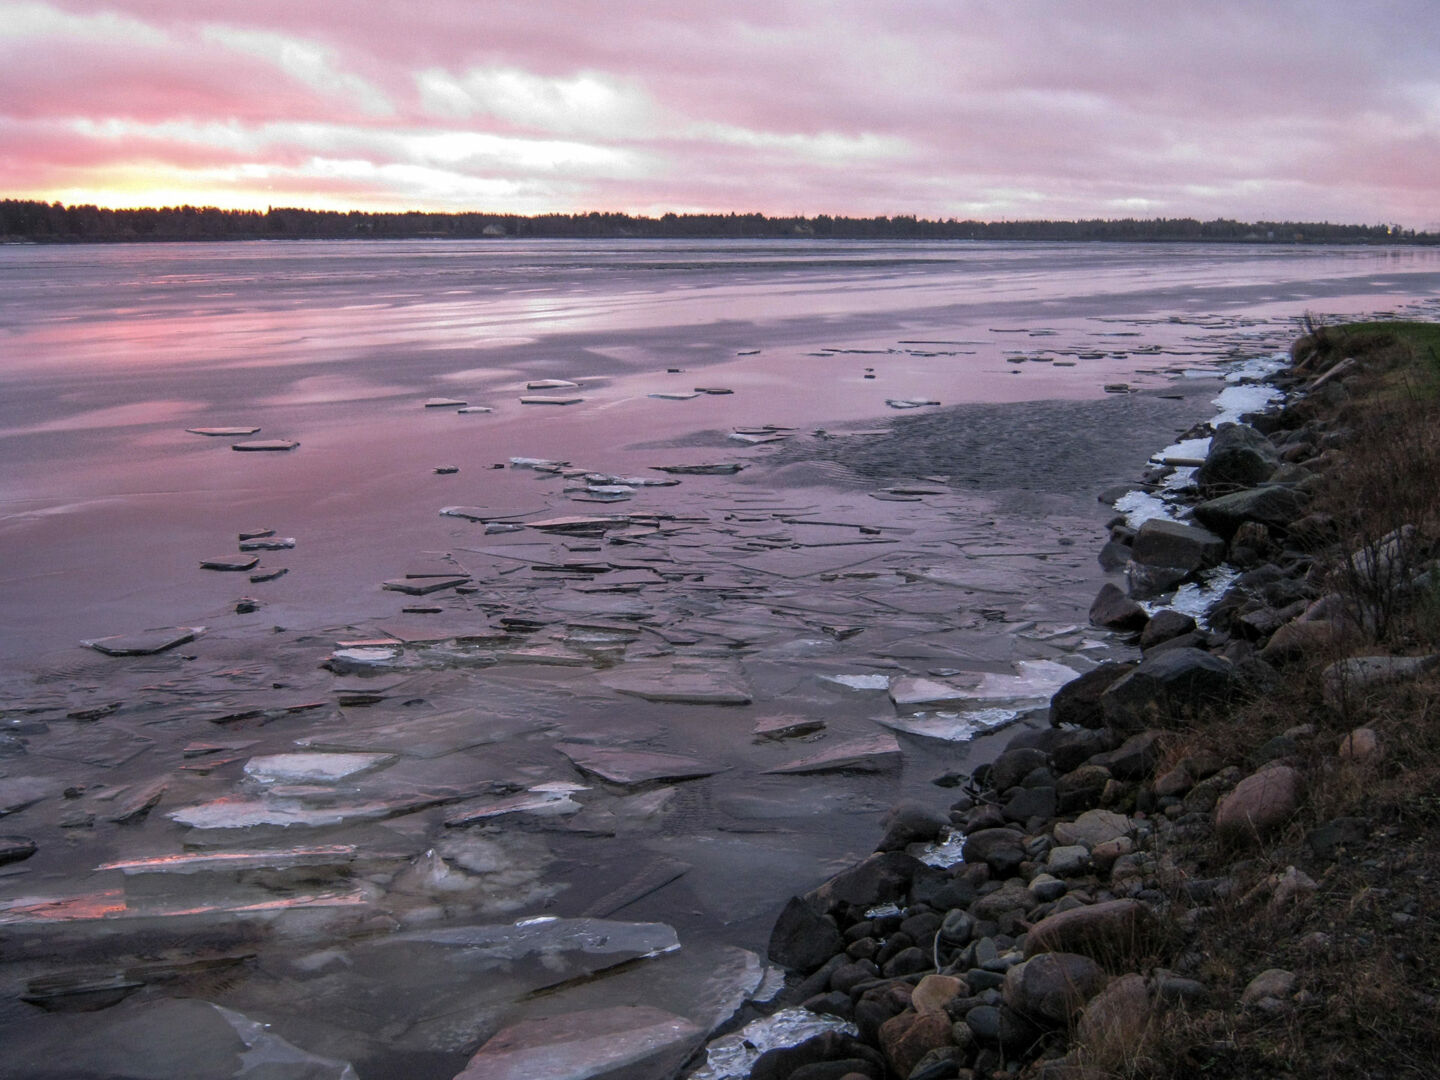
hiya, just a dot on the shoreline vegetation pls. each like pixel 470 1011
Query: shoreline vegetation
pixel 32 221
pixel 1220 859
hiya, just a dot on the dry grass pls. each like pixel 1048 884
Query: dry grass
pixel 1366 944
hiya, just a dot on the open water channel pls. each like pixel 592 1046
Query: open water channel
pixel 610 594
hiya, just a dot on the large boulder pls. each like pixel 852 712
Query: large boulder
pixel 1113 1025
pixel 877 880
pixel 1001 849
pixel 1239 457
pixel 1262 801
pixel 1078 701
pixel 1114 933
pixel 908 1037
pixel 1270 505
pixel 1052 987
pixel 1114 610
pixel 1161 542
pixel 1168 688
pixel 803 938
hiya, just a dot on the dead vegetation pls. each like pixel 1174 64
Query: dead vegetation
pixel 1364 945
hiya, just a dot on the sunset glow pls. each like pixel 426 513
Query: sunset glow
pixel 938 108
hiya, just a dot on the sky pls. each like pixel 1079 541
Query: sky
pixel 1302 110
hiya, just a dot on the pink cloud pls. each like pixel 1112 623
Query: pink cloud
pixel 933 107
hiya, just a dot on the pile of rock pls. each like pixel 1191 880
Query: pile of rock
pixel 1067 928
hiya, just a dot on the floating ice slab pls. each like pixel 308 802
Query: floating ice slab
pixel 1035 680
pixel 681 687
pixel 577 1046
pixel 268 543
pixel 714 469
pixel 424 586
pixel 1235 401
pixel 674 395
pixel 262 445
pixel 551 400
pixel 859 682
pixel 146 642
pixel 227 432
pixel 235 812
pixel 630 768
pixel 787 727
pixel 369 658
pixel 551 384
pixel 232 563
pixel 312 768
pixel 538 464
pixel 910 403
pixel 550 800
pixel 950 726
pixel 444 403
pixel 871 754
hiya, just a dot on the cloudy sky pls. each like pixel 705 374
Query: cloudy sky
pixel 1283 109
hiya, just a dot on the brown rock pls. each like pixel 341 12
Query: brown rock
pixel 1361 746
pixel 1114 1024
pixel 1078 701
pixel 1052 987
pixel 1113 933
pixel 934 992
pixel 908 1037
pixel 1260 802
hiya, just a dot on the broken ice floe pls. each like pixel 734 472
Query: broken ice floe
pixel 868 754
pixel 261 445
pixel 444 403
pixel 538 464
pixel 715 469
pixel 674 395
pixel 231 563
pixel 678 685
pixel 551 400
pixel 640 1039
pixel 1034 681
pixel 268 543
pixel 910 403
pixel 859 682
pixel 318 768
pixel 551 384
pixel 951 726
pixel 547 800
pixel 224 432
pixel 146 642
pixel 631 768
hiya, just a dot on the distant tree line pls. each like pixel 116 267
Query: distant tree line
pixel 40 222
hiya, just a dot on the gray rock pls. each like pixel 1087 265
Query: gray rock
pixel 1163 626
pixel 1081 788
pixel 1357 674
pixel 879 879
pixel 1011 767
pixel 16 849
pixel 1052 987
pixel 1000 849
pixel 1068 860
pixel 1011 896
pixel 1272 505
pixel 1161 542
pixel 1116 611
pixel 1026 803
pixel 1168 688
pixel 1091 828
pixel 1239 457
pixel 1134 759
pixel 803 938
pixel 1078 701
pixel 1272 983
pixel 910 823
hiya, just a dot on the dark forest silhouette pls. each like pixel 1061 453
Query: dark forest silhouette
pixel 26 220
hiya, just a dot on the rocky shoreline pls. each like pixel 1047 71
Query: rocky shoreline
pixel 1099 853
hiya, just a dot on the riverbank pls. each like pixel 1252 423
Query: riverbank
pixel 1221 857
